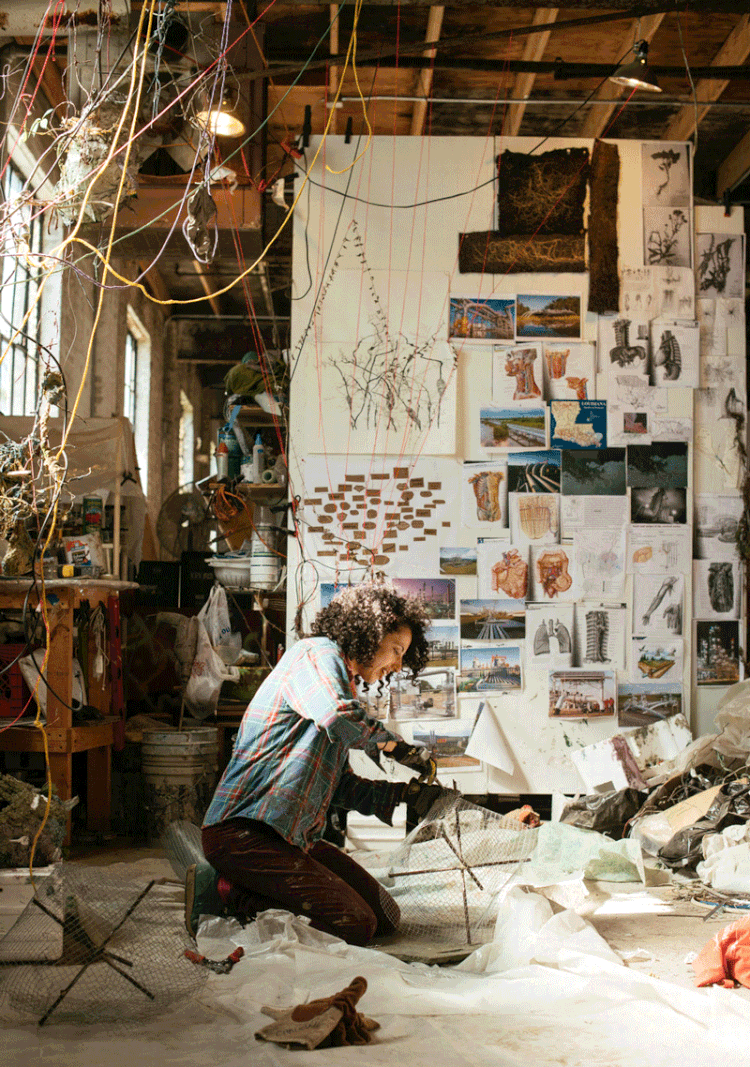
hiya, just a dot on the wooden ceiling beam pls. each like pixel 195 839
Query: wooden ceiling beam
pixel 50 79
pixel 212 298
pixel 154 279
pixel 733 52
pixel 599 118
pixel 534 49
pixel 735 168
pixel 333 70
pixel 424 78
pixel 628 9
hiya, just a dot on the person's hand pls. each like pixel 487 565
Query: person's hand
pixel 415 757
pixel 421 796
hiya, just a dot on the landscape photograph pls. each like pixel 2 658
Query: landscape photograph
pixel 548 316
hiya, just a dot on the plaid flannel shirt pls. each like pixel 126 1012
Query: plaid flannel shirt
pixel 289 763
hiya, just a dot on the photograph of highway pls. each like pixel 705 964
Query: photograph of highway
pixel 512 427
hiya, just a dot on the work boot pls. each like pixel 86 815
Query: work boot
pixel 202 895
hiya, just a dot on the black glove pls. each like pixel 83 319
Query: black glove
pixel 415 757
pixel 421 796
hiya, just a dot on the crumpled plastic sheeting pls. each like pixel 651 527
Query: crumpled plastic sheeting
pixel 726 866
pixel 733 722
pixel 566 851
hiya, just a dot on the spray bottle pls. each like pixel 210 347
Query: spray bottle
pixel 259 460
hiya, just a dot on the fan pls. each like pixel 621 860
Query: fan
pixel 185 524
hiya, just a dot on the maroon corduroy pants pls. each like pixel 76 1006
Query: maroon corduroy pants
pixel 265 871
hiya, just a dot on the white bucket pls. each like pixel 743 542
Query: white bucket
pixel 180 770
pixel 264 562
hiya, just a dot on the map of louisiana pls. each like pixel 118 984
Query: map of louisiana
pixel 578 423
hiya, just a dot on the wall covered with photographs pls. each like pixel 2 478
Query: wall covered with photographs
pixel 562 484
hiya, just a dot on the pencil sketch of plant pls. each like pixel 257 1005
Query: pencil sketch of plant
pixel 665 161
pixel 714 265
pixel 393 382
pixel 662 244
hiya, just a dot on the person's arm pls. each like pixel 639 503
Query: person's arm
pixel 368 797
pixel 317 687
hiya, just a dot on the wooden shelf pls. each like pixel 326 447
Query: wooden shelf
pixel 254 414
pixel 256 491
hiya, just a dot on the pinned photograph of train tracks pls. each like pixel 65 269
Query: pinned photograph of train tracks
pixel 512 426
pixel 581 693
pixel 490 668
pixel 492 620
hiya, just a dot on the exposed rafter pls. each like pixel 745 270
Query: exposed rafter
pixel 534 49
pixel 333 70
pixel 424 78
pixel 212 298
pixel 735 168
pixel 598 118
pixel 155 281
pixel 734 51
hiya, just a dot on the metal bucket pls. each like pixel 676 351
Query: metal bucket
pixel 180 770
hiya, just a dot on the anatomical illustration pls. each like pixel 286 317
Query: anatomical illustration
pixel 510 575
pixel 549 630
pixel 721 586
pixel 486 485
pixel 625 354
pixel 552 572
pixel 519 364
pixel 597 630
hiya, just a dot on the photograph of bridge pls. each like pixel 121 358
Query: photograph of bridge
pixel 512 427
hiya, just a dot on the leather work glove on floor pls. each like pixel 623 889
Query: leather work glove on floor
pixel 329 1022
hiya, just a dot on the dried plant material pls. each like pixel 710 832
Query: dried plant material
pixel 542 194
pixel 487 252
pixel 604 280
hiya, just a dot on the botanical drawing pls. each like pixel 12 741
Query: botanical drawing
pixel 665 239
pixel 720 260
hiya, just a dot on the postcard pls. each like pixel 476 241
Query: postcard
pixel 569 370
pixel 658 464
pixel 645 704
pixel 432 695
pixel 492 620
pixel 534 518
pixel 600 563
pixel 717 653
pixel 447 742
pixel 657 659
pixel 661 550
pixel 516 373
pixel 553 573
pixel 600 635
pixel 438 594
pixel 717 589
pixel 675 354
pixel 593 472
pixel 443 643
pixel 549 641
pixel 490 668
pixel 484 492
pixel 717 520
pixel 534 472
pixel 482 319
pixel 578 423
pixel 582 693
pixel 664 506
pixel 658 604
pixel 458 560
pixel 548 316
pixel 502 570
pixel 512 427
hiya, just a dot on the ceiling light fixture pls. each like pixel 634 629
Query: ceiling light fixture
pixel 221 119
pixel 637 74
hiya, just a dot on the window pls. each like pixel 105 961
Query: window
pixel 136 402
pixel 187 442
pixel 21 243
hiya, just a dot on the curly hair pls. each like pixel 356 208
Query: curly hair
pixel 359 617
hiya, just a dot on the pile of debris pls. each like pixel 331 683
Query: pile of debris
pixel 689 811
pixel 22 810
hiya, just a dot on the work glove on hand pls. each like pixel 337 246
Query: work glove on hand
pixel 415 757
pixel 422 796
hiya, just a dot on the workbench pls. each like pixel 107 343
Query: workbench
pixel 64 596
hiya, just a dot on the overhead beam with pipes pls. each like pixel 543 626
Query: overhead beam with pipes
pixel 534 49
pixel 211 296
pixel 733 52
pixel 599 118
pixel 735 168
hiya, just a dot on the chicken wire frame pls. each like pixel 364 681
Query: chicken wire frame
pixel 92 915
pixel 447 875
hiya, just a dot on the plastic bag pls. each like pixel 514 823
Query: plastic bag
pixel 207 675
pixel 31 668
pixel 215 617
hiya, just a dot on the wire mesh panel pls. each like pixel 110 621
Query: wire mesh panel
pixel 91 948
pixel 448 873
